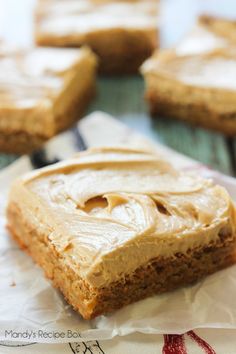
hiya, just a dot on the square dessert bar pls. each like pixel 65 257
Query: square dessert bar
pixel 198 88
pixel 43 91
pixel 122 33
pixel 194 82
pixel 112 226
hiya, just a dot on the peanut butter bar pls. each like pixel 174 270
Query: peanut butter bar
pixel 112 226
pixel 195 81
pixel 122 33
pixel 43 91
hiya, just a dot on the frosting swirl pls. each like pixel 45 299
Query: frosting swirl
pixel 115 209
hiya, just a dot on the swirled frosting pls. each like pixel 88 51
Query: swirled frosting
pixel 200 40
pixel 72 17
pixel 36 82
pixel 111 210
pixel 214 70
pixel 29 76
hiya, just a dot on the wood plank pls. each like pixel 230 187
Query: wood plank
pixel 123 98
pixel 207 147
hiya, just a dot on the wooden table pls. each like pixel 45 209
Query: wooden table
pixel 123 97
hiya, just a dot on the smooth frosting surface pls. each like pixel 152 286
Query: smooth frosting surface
pixel 112 210
pixel 71 17
pixel 34 76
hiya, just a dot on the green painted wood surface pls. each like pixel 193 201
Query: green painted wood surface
pixel 123 98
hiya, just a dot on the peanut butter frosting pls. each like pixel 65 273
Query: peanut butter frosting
pixel 72 17
pixel 32 80
pixel 29 76
pixel 109 211
pixel 200 40
pixel 210 33
pixel 205 57
pixel 215 70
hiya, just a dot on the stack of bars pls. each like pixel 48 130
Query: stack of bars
pixel 196 80
pixel 123 33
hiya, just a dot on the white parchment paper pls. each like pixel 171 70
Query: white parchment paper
pixel 31 310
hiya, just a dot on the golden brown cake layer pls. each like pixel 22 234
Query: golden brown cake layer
pixel 43 91
pixel 112 226
pixel 122 33
pixel 197 88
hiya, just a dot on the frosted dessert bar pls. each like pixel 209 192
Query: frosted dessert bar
pixel 112 226
pixel 43 91
pixel 122 33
